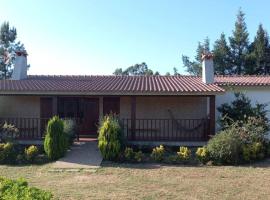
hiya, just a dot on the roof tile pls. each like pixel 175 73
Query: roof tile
pixel 111 84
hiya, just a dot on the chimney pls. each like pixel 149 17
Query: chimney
pixel 20 67
pixel 207 68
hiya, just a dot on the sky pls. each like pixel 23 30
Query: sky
pixel 93 37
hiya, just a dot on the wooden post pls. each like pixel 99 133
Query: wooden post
pixel 133 117
pixel 212 115
pixel 54 106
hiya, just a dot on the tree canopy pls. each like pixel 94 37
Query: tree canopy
pixel 137 69
pixel 235 56
pixel 8 48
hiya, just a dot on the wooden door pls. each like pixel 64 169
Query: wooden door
pixel 111 105
pixel 90 116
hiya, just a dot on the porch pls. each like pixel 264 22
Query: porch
pixel 144 119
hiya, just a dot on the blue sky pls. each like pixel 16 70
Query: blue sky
pixel 96 36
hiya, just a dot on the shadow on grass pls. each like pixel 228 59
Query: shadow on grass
pixel 144 165
pixel 152 165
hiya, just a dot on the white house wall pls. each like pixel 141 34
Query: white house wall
pixel 256 94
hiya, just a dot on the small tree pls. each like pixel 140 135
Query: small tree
pixel 8 47
pixel 110 141
pixel 240 110
pixel 55 144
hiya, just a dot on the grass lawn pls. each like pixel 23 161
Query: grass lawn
pixel 138 181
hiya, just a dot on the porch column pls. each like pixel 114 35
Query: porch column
pixel 54 106
pixel 133 117
pixel 100 108
pixel 212 114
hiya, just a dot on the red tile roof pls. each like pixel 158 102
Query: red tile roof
pixel 242 80
pixel 126 85
pixel 110 85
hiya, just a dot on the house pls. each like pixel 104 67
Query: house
pixel 167 109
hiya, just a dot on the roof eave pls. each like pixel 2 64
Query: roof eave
pixel 80 93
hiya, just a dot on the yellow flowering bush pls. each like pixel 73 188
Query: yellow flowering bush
pixel 202 154
pixel 184 153
pixel 158 153
pixel 31 153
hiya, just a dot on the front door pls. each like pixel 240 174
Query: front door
pixel 89 116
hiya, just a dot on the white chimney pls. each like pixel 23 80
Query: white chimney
pixel 207 68
pixel 20 67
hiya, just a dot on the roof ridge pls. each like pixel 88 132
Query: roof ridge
pixel 236 75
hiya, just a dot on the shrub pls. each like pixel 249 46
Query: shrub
pixel 7 153
pixel 129 154
pixel 19 189
pixel 158 153
pixel 138 156
pixel 110 140
pixel 253 130
pixel 55 144
pixel 268 149
pixel 236 142
pixel 70 129
pixel 225 147
pixel 173 158
pixel 31 153
pixel 8 132
pixel 184 153
pixel 253 151
pixel 202 154
pixel 240 110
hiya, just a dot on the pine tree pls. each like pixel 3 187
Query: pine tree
pixel 222 53
pixel 239 45
pixel 195 67
pixel 8 47
pixel 261 52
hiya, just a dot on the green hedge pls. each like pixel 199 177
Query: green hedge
pixel 19 189
pixel 56 142
pixel 110 140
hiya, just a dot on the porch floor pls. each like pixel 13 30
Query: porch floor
pixel 83 155
pixel 170 143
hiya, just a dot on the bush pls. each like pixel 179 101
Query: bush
pixel 202 155
pixel 253 130
pixel 19 189
pixel 110 139
pixel 253 151
pixel 158 153
pixel 132 156
pixel 70 129
pixel 173 159
pixel 31 153
pixel 129 154
pixel 138 156
pixel 236 143
pixel 7 153
pixel 225 147
pixel 184 153
pixel 8 132
pixel 240 110
pixel 267 149
pixel 55 144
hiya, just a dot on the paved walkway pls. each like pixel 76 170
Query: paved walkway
pixel 83 155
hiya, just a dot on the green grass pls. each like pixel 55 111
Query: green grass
pixel 139 181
